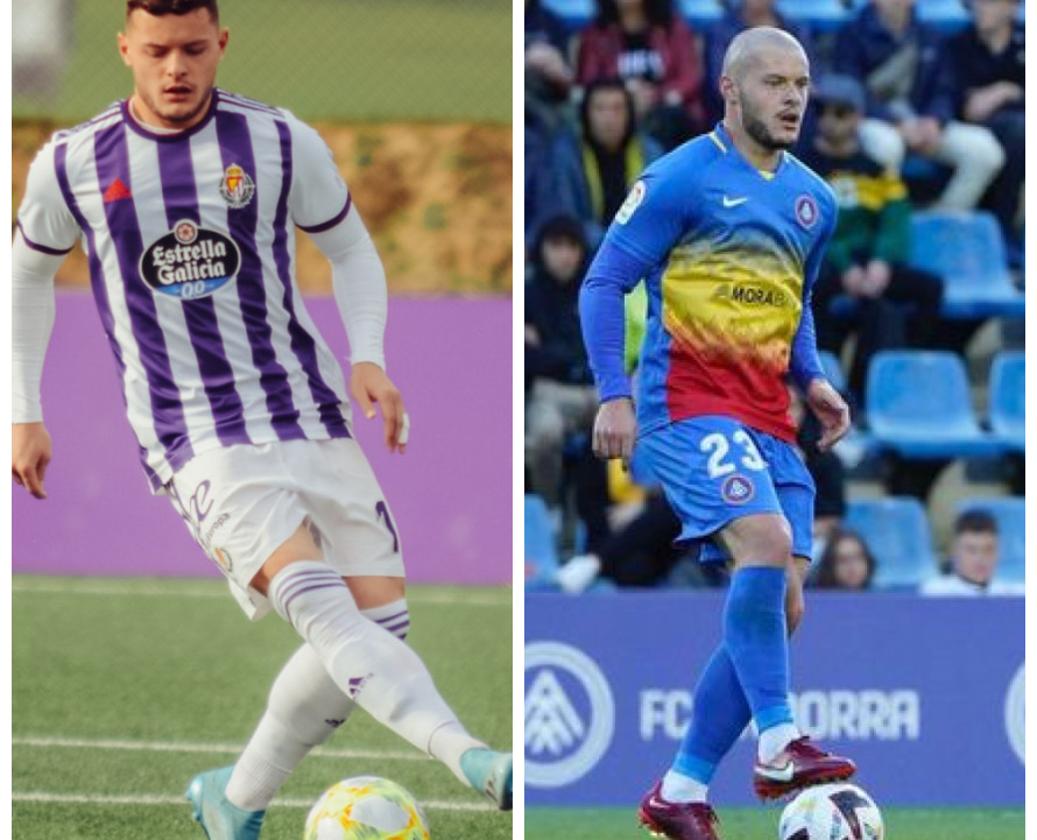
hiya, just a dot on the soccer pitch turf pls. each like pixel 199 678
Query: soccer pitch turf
pixel 762 823
pixel 123 689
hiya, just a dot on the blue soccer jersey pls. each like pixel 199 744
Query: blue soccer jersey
pixel 729 255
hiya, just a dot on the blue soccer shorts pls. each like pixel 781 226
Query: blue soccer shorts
pixel 714 470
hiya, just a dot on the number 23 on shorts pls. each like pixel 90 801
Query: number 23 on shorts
pixel 724 458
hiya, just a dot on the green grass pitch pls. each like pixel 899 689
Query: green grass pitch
pixel 377 60
pixel 762 824
pixel 123 689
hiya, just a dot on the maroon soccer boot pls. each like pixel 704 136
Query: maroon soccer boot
pixel 799 765
pixel 677 820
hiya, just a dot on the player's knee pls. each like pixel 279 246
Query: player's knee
pixel 298 547
pixel 763 540
pixel 373 592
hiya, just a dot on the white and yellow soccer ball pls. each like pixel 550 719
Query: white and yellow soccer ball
pixel 831 812
pixel 366 808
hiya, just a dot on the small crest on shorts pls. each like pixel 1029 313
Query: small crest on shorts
pixel 737 489
pixel 223 559
pixel 237 187
pixel 806 211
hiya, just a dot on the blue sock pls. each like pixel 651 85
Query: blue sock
pixel 755 638
pixel 718 717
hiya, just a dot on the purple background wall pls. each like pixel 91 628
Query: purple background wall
pixel 450 493
pixel 925 694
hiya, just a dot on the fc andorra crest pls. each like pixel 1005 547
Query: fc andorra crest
pixel 237 187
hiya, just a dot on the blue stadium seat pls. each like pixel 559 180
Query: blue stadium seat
pixel 700 13
pixel 541 553
pixel 819 15
pixel 949 16
pixel 1010 513
pixel 833 370
pixel 575 14
pixel 918 405
pixel 1008 399
pixel 967 251
pixel 897 532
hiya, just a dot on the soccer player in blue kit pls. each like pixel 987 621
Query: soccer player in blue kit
pixel 728 232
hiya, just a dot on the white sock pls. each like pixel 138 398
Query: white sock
pixel 304 709
pixel 374 668
pixel 677 787
pixel 774 740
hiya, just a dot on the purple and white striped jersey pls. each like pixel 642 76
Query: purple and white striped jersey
pixel 191 245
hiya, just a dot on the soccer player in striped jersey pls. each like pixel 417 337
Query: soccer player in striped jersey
pixel 728 232
pixel 186 198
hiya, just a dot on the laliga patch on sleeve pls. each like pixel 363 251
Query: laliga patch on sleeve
pixel 632 202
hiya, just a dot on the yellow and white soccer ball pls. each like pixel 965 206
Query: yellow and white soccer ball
pixel 366 808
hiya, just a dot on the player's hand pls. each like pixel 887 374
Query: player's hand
pixel 369 384
pixel 30 455
pixel 615 428
pixel 831 410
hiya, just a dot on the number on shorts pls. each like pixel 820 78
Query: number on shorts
pixel 718 447
pixel 382 509
pixel 751 459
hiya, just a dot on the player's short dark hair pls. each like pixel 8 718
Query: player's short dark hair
pixel 975 522
pixel 173 7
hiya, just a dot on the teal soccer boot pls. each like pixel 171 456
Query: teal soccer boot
pixel 489 772
pixel 219 818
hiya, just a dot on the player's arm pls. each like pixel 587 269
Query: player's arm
pixel 643 232
pixel 46 232
pixel 322 206
pixel 805 365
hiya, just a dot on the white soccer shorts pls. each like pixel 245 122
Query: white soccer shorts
pixel 242 502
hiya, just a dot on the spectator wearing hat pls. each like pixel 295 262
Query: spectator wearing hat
pixel 654 52
pixel 973 560
pixel 909 80
pixel 895 305
pixel 991 91
pixel 594 170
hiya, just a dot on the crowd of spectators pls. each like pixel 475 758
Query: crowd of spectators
pixel 904 116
